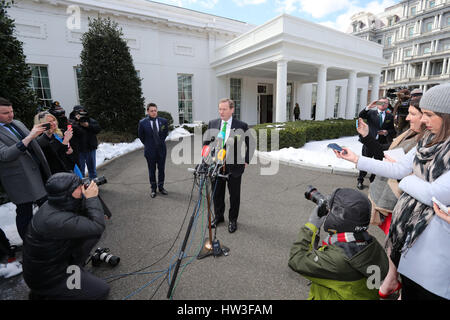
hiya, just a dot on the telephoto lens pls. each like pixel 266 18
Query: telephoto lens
pixel 315 196
pixel 102 254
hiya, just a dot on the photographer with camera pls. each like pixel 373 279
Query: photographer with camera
pixel 60 114
pixel 401 111
pixel 61 235
pixel 84 141
pixel 381 127
pixel 340 268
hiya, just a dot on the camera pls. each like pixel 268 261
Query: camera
pixel 102 254
pixel 56 110
pixel 83 116
pixel 315 196
pixel 46 126
pixel 98 181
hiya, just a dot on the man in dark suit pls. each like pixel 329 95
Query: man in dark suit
pixel 23 167
pixel 152 132
pixel 232 133
pixel 381 127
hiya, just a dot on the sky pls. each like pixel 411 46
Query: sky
pixel 332 13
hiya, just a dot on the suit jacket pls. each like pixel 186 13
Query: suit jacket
pixel 374 124
pixel 20 174
pixel 235 160
pixel 145 134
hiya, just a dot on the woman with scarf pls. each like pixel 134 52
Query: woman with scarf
pixel 424 171
pixel 56 146
pixel 384 192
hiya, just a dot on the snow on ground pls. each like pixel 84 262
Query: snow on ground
pixel 312 153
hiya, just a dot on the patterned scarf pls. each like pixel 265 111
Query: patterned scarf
pixel 410 216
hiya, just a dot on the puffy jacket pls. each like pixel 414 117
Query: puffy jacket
pixel 54 240
pixel 339 271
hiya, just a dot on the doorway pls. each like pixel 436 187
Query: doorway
pixel 265 108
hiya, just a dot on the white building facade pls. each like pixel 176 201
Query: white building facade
pixel 416 39
pixel 188 60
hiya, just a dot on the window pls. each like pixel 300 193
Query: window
pixel 313 101
pixel 413 11
pixel 410 32
pixel 427 50
pixel 448 21
pixel 40 83
pixel 358 102
pixel 389 41
pixel 408 52
pixel 235 95
pixel 77 70
pixel 337 98
pixel 446 46
pixel 429 27
pixel 184 98
pixel 431 4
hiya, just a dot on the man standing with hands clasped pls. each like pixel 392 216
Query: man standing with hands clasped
pixel 381 127
pixel 235 162
pixel 23 167
pixel 153 132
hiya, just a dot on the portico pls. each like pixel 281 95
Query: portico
pixel 289 49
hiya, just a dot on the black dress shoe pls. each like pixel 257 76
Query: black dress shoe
pixel 216 221
pixel 163 191
pixel 153 194
pixel 232 226
pixel 360 185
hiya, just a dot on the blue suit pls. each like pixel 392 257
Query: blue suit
pixel 154 148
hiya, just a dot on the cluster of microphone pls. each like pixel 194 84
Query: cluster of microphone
pixel 213 158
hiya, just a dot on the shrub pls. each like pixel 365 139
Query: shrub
pixel 168 116
pixel 296 134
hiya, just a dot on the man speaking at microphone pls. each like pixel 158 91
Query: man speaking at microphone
pixel 235 162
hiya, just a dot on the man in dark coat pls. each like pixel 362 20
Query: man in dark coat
pixel 232 132
pixel 381 127
pixel 84 142
pixel 23 167
pixel 152 132
pixel 59 240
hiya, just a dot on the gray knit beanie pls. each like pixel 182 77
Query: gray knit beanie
pixel 437 99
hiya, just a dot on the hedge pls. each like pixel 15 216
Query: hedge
pixel 296 134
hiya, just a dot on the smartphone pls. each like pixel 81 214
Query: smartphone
pixel 335 146
pixel 440 205
pixel 380 103
pixel 69 126
pixel 356 123
pixel 46 126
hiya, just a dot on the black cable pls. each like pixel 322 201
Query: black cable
pixel 171 247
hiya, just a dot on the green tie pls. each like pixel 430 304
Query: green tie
pixel 13 130
pixel 224 131
pixel 381 119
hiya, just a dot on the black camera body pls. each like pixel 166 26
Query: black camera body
pixel 103 255
pixel 402 110
pixel 316 197
pixel 83 116
pixel 98 181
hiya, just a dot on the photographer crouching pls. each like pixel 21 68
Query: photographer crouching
pixel 59 240
pixel 340 268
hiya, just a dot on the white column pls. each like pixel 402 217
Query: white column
pixel 448 66
pixel 375 87
pixel 440 22
pixel 281 91
pixel 444 66
pixel 422 74
pixel 321 93
pixel 436 46
pixel 427 71
pixel 351 96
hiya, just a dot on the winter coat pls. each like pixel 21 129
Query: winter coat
pixel 339 271
pixel 85 139
pixel 55 239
